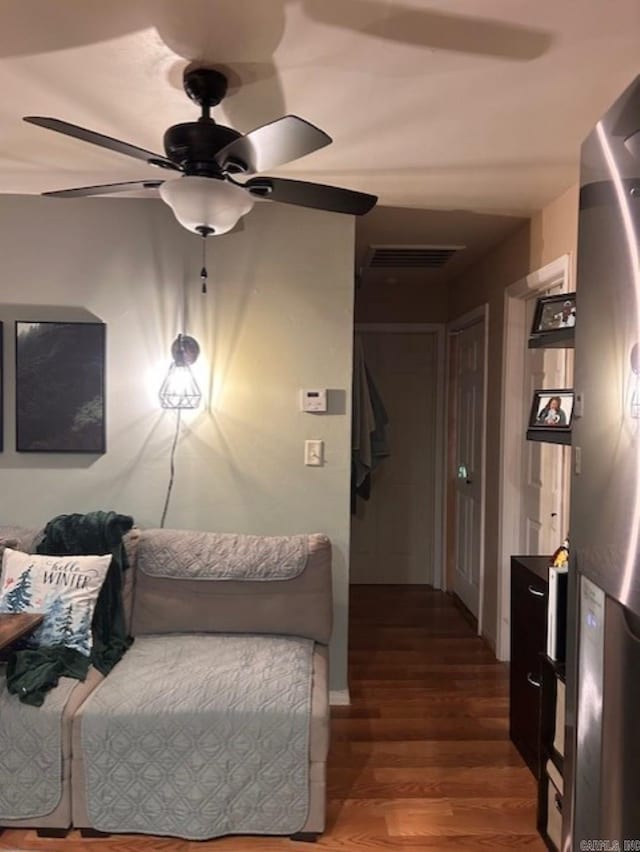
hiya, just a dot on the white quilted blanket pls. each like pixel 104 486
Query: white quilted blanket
pixel 198 736
pixel 193 555
pixel 31 752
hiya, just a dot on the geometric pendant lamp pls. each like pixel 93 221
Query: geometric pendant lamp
pixel 180 390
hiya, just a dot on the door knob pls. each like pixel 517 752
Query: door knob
pixel 463 473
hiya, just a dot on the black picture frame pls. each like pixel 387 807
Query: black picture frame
pixel 549 421
pixel 555 314
pixel 60 387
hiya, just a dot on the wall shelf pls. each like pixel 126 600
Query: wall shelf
pixel 561 338
pixel 548 436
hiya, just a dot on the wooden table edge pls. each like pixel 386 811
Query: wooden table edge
pixel 26 623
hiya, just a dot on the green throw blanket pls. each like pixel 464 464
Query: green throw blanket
pixel 31 673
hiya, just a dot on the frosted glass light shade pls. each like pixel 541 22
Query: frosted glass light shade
pixel 199 202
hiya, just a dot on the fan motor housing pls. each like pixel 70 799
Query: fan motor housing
pixel 194 144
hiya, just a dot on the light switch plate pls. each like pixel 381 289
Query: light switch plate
pixel 314 453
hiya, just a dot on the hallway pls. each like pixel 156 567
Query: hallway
pixel 421 760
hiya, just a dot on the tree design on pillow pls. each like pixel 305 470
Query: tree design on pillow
pixel 66 628
pixel 19 598
pixel 83 633
pixel 59 627
pixel 50 631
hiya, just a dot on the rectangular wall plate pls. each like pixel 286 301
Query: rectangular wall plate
pixel 314 453
pixel 313 400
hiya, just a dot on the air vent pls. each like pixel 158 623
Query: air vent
pixel 409 257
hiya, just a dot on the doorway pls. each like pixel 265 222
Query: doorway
pixel 534 478
pixel 396 535
pixel 466 458
pixel 542 472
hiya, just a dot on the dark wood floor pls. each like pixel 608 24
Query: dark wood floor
pixel 421 760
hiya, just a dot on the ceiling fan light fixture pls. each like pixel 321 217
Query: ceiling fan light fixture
pixel 204 202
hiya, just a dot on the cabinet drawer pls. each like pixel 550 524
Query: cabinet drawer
pixel 528 642
pixel 528 617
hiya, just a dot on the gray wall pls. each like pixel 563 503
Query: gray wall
pixel 278 317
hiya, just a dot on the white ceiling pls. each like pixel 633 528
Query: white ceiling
pixel 470 105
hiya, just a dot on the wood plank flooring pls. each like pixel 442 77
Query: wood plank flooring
pixel 421 760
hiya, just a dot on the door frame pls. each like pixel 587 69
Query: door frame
pixel 479 314
pixel 556 273
pixel 439 468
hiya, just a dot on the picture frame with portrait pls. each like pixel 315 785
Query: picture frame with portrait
pixel 554 314
pixel 551 415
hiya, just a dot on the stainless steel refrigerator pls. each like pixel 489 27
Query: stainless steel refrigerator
pixel 602 762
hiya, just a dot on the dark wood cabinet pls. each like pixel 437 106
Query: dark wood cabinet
pixel 529 599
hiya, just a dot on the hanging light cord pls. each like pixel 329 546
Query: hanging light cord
pixel 203 272
pixel 172 469
pixel 176 434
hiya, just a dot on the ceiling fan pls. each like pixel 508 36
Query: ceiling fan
pixel 208 199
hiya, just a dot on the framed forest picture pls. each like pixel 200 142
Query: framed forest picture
pixel 60 387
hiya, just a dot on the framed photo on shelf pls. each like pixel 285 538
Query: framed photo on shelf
pixel 60 387
pixel 554 313
pixel 551 411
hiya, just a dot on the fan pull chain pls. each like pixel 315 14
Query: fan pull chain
pixel 203 272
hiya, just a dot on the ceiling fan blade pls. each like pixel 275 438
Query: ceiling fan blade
pixel 272 144
pixel 432 29
pixel 101 140
pixel 104 189
pixel 317 195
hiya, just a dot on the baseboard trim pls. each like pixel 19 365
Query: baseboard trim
pixel 339 698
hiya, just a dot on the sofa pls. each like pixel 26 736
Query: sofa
pixel 215 721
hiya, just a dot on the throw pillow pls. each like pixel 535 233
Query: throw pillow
pixel 13 543
pixel 63 588
pixel 12 540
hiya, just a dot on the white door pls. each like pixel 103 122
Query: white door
pixel 470 392
pixel 392 533
pixel 543 526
